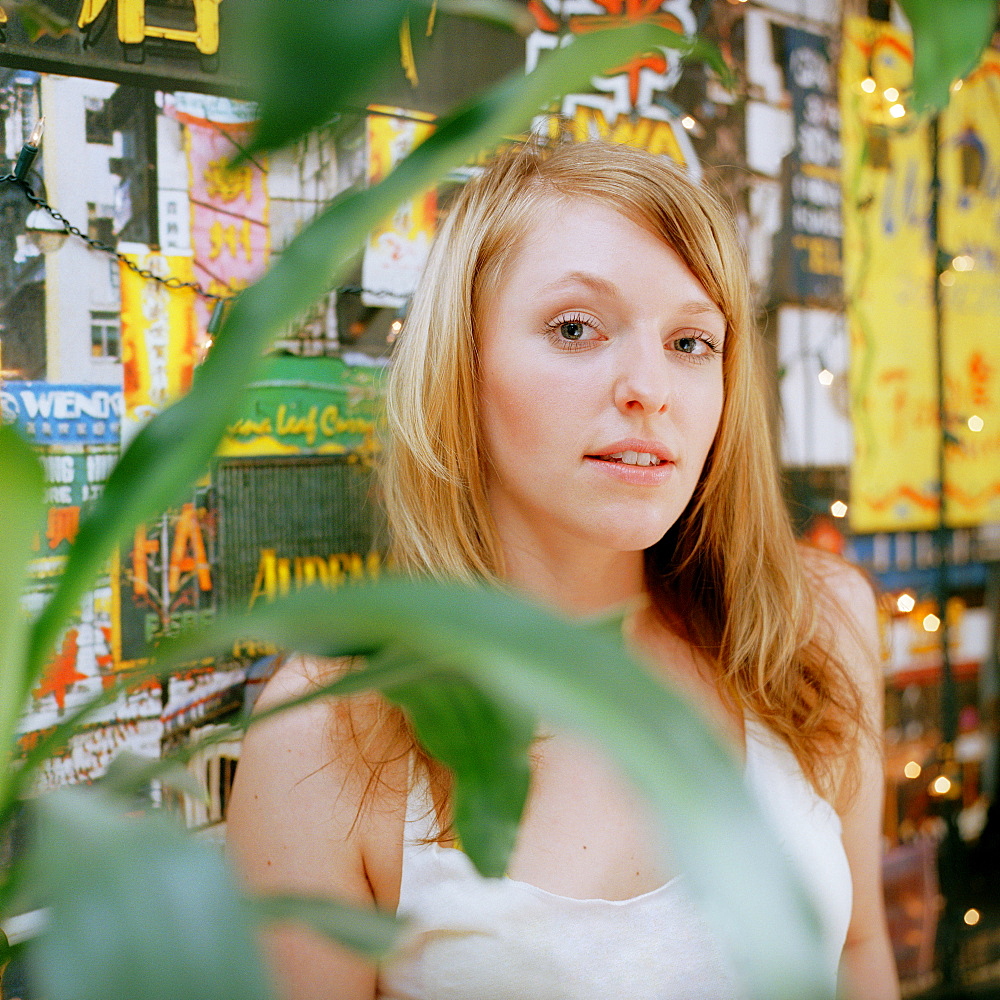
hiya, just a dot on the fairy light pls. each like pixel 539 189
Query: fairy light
pixel 912 769
pixel 956 86
pixel 688 122
pixel 975 423
pixel 906 603
pixel 891 94
pixel 963 262
pixel 931 623
pixel 838 508
pixel 868 85
pixel 947 278
pixel 971 917
pixel 897 111
pixel 941 785
pixel 825 377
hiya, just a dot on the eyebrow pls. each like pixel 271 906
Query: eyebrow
pixel 693 308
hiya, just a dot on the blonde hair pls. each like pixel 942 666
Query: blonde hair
pixel 728 575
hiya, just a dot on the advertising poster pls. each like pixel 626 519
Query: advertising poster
pixel 396 250
pixel 889 281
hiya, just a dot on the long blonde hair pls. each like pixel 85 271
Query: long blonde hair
pixel 730 568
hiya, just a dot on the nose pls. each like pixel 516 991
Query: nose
pixel 642 380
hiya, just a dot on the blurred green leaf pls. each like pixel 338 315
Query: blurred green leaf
pixel 173 449
pixel 364 930
pixel 514 651
pixel 308 60
pixel 504 13
pixel 39 19
pixel 129 775
pixel 485 743
pixel 136 908
pixel 948 42
pixel 21 514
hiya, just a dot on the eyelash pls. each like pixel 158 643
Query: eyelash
pixel 554 326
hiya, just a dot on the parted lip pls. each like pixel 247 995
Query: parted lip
pixel 657 448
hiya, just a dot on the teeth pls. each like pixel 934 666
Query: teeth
pixel 633 458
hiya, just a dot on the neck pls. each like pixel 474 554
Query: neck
pixel 578 580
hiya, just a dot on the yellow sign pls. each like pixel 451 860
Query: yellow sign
pixel 889 284
pixel 134 28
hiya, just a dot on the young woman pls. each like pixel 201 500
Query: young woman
pixel 577 408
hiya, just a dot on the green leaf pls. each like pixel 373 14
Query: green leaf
pixel 308 60
pixel 948 42
pixel 173 449
pixel 516 652
pixel 130 774
pixel 136 908
pixel 39 19
pixel 365 930
pixel 485 743
pixel 503 13
pixel 21 513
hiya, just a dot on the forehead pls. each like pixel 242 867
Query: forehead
pixel 582 242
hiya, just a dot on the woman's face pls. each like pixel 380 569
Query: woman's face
pixel 600 360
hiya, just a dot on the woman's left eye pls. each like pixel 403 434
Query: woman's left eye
pixel 573 331
pixel 698 346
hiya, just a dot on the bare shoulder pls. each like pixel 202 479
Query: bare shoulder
pixel 298 811
pixel 848 613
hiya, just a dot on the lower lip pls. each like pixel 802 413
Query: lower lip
pixel 636 475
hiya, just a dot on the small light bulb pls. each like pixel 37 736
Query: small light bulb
pixel 971 917
pixel 838 508
pixel 912 769
pixel 931 623
pixel 947 278
pixel 397 325
pixel 688 122
pixel 868 85
pixel 976 424
pixel 825 377
pixel 963 262
pixel 941 785
pixel 906 603
pixel 36 133
pixel 897 111
pixel 956 86
pixel 891 94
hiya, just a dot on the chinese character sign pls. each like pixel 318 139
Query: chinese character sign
pixel 889 281
pixel 158 337
pixel 230 228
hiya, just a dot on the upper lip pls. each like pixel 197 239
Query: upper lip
pixel 657 448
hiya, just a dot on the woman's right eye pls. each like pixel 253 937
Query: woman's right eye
pixel 572 331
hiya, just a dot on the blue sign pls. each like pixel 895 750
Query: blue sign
pixel 49 414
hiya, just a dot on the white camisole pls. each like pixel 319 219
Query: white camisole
pixel 473 938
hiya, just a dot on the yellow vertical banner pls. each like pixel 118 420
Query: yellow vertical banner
pixel 889 284
pixel 158 337
pixel 397 249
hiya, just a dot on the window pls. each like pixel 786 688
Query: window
pixel 105 335
pixel 98 121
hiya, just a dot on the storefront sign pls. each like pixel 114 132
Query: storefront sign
pixel 809 270
pixel 889 278
pixel 169 46
pixel 49 414
pixel 623 106
pixel 308 406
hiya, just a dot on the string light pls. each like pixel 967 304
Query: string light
pixel 941 785
pixel 688 122
pixel 868 85
pixel 825 377
pixel 838 508
pixel 947 278
pixel 976 424
pixel 897 111
pixel 971 917
pixel 931 623
pixel 912 769
pixel 906 603
pixel 956 86
pixel 963 262
pixel 891 94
